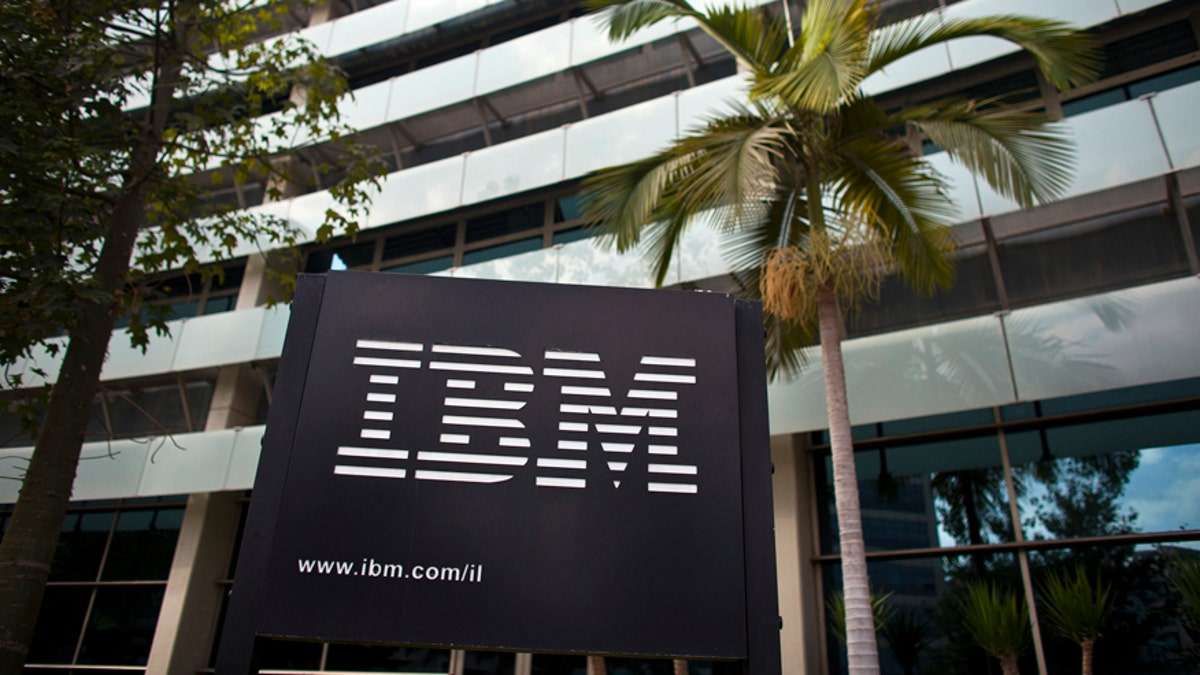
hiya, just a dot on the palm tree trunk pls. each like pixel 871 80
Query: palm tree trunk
pixel 1008 665
pixel 596 665
pixel 1089 648
pixel 861 646
pixel 680 666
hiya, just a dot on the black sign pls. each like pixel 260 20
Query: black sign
pixel 509 466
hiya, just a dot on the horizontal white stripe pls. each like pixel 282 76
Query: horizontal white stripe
pixel 676 469
pixel 480 368
pixel 468 458
pixel 661 377
pixel 551 463
pixel 460 384
pixel 578 409
pixel 381 398
pixel 386 363
pixel 378 434
pixel 489 403
pixel 574 372
pixel 518 386
pixel 668 361
pixel 663 450
pixel 455 439
pixel 378 416
pixel 572 356
pixel 617 447
pixel 547 481
pixel 461 476
pixel 585 391
pixel 572 445
pixel 474 351
pixel 512 442
pixel 625 429
pixel 617 466
pixel 375 471
pixel 572 426
pixel 385 379
pixel 490 422
pixel 654 394
pixel 664 431
pixel 660 413
pixel 354 451
pixel 390 346
pixel 678 488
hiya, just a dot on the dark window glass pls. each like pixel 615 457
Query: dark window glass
pixel 421 241
pixel 387 659
pixel 1094 102
pixel 199 399
pixel 81 546
pixel 150 411
pixel 518 219
pixel 573 234
pixel 423 266
pixel 943 494
pixel 1109 477
pixel 1175 78
pixel 121 626
pixel 567 208
pixel 219 304
pixel 143 545
pixel 489 663
pixel 1146 49
pixel 898 306
pixel 1010 89
pixel 233 279
pixel 925 632
pixel 623 666
pixel 1128 248
pixel 353 256
pixel 59 623
pixel 501 251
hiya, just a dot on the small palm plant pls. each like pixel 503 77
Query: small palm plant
pixel 835 606
pixel 1077 608
pixel 1185 576
pixel 998 621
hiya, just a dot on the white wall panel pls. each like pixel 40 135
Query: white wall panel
pixel 370 26
pixel 622 136
pixel 219 339
pixel 513 167
pixel 419 191
pixel 529 57
pixel 1178 113
pixel 187 463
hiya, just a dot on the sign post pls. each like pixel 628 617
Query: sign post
pixel 511 466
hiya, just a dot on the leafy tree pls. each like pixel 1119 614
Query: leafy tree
pixel 820 191
pixel 119 116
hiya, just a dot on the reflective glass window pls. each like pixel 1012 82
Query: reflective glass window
pixel 143 544
pixel 121 625
pixel 81 546
pixel 387 659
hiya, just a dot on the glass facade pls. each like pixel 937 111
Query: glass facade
pixel 1103 481
pixel 106 584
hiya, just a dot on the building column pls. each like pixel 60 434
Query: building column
pixel 187 621
pixel 799 595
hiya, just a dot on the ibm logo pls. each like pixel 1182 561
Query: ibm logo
pixel 485 435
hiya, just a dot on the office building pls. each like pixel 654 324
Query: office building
pixel 1063 367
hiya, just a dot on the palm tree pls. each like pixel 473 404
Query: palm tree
pixel 998 621
pixel 820 192
pixel 1078 609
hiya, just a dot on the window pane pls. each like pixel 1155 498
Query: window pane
pixel 143 545
pixel 387 659
pixel 423 266
pixel 574 234
pixel 501 251
pixel 121 626
pixel 925 632
pixel 517 219
pixel 1109 477
pixel 621 666
pixel 489 663
pixel 81 546
pixel 1133 640
pixel 199 398
pixel 949 493
pixel 287 655
pixel 59 624
pixel 421 241
pixel 149 411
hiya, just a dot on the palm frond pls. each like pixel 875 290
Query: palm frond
pixel 1021 155
pixel 626 17
pixel 897 194
pixel 1076 606
pixel 1066 57
pixel 622 200
pixel 828 60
